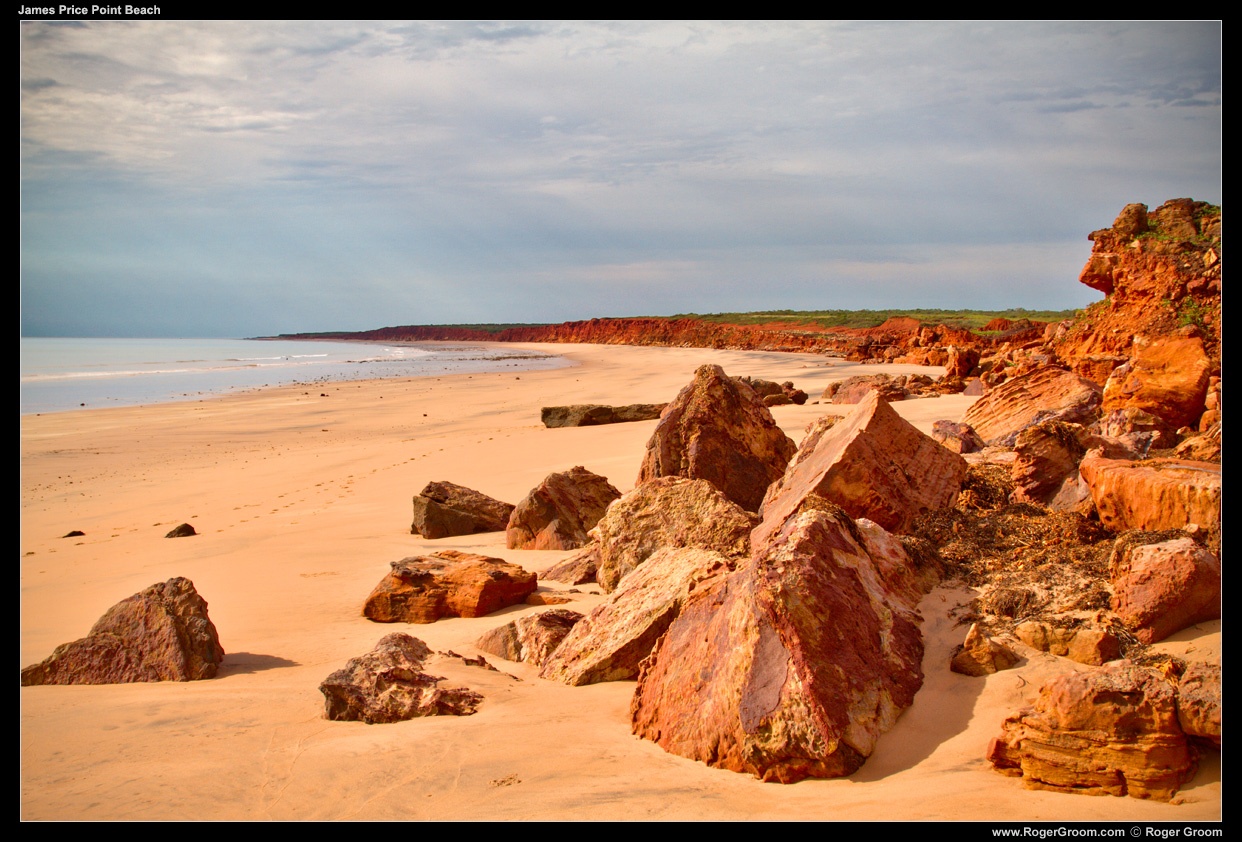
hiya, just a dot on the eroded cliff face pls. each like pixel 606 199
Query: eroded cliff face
pixel 1161 274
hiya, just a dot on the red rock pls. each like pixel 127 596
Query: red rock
pixel 961 362
pixel 1086 645
pixel 852 390
pixel 387 684
pixel 1155 495
pixel 1160 589
pixel 558 513
pixel 1046 393
pixel 1168 378
pixel 981 655
pixel 1111 730
pixel 668 512
pixel 874 464
pixel 1199 702
pixel 611 642
pixel 792 666
pixel 719 430
pixel 422 589
pixel 162 633
pixel 578 569
pixel 957 437
pixel 444 509
pixel 530 639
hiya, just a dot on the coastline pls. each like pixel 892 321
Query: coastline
pixel 301 502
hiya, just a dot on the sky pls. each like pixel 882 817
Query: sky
pixel 221 178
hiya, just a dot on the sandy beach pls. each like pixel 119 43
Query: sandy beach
pixel 301 497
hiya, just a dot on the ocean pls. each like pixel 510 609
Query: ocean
pixel 60 374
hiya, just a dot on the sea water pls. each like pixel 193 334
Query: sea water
pixel 62 374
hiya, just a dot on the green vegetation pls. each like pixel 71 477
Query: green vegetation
pixel 1189 312
pixel 966 319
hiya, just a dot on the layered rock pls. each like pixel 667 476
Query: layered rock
pixel 719 430
pixel 873 464
pixel 444 509
pixel 1161 588
pixel 578 569
pixel 956 436
pixel 422 589
pixel 593 415
pixel 388 684
pixel 612 641
pixel 1153 496
pixel 530 639
pixel 558 513
pixel 668 512
pixel 1046 393
pixel 1111 730
pixel 162 633
pixel 792 666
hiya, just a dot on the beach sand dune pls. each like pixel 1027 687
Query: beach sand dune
pixel 301 497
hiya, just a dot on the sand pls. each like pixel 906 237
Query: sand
pixel 301 501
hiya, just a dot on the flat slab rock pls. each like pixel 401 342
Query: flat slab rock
pixel 422 589
pixel 1045 393
pixel 593 415
pixel 162 633
pixel 388 684
pixel 445 509
pixel 1154 495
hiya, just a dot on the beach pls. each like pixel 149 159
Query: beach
pixel 301 498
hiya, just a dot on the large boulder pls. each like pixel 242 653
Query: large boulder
pixel 1168 378
pixel 611 641
pixel 792 666
pixel 668 512
pixel 1161 588
pixel 444 509
pixel 1154 495
pixel 388 684
pixel 558 513
pixel 719 430
pixel 1111 730
pixel 162 633
pixel 593 415
pixel 1046 393
pixel 422 589
pixel 531 639
pixel 874 464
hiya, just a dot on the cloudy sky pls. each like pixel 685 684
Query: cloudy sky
pixel 234 179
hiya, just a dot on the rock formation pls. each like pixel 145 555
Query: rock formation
pixel 422 589
pixel 388 684
pixel 1045 393
pixel 792 666
pixel 668 512
pixel 718 429
pixel 874 464
pixel 444 509
pixel 162 633
pixel 592 415
pixel 981 655
pixel 1161 588
pixel 1111 730
pixel 1154 495
pixel 530 639
pixel 611 642
pixel 558 513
